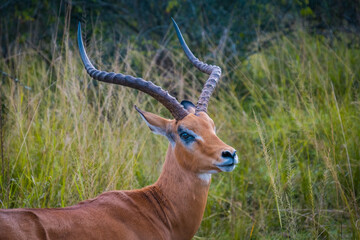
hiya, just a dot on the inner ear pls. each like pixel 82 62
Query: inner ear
pixel 157 124
pixel 189 106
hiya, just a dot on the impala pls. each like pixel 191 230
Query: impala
pixel 171 208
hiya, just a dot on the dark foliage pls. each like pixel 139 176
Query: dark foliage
pixel 235 22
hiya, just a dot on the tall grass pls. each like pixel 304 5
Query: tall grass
pixel 292 111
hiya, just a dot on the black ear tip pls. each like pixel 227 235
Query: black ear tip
pixel 187 104
pixel 137 109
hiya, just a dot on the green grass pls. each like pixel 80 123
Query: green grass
pixel 292 111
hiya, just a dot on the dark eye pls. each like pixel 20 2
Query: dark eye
pixel 187 137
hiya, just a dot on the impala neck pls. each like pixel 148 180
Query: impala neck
pixel 186 193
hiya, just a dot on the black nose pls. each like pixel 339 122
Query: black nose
pixel 228 154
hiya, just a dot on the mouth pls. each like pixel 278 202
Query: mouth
pixel 228 165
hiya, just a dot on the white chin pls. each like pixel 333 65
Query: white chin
pixel 229 168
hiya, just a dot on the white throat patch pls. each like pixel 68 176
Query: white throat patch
pixel 205 177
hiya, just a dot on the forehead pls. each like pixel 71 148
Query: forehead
pixel 197 122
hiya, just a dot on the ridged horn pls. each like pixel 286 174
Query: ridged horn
pixel 170 102
pixel 212 70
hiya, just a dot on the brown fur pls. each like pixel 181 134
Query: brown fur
pixel 171 208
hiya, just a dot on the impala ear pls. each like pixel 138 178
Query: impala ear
pixel 189 106
pixel 157 125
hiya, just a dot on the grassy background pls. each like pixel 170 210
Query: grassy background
pixel 291 110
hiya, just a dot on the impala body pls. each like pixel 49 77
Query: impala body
pixel 171 208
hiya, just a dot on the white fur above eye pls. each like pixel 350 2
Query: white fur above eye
pixel 192 133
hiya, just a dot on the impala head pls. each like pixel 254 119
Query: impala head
pixel 196 146
pixel 192 132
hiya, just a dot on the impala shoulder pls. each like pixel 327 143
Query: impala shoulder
pixel 157 204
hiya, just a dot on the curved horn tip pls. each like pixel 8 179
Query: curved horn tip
pixel 172 19
pixel 179 35
pixel 79 30
pixel 84 58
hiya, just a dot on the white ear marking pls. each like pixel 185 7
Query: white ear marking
pixel 153 128
pixel 158 130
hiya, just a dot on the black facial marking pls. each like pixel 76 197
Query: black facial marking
pixel 185 136
pixel 171 137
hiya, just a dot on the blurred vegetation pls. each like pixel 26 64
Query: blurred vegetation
pixel 288 101
pixel 145 23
